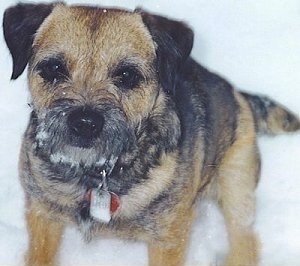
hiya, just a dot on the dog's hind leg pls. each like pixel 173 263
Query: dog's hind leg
pixel 44 238
pixel 237 180
pixel 237 202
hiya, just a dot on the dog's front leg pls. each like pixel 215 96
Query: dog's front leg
pixel 171 250
pixel 171 256
pixel 44 237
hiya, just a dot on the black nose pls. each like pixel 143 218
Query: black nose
pixel 85 123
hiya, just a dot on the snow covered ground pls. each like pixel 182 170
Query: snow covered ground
pixel 254 44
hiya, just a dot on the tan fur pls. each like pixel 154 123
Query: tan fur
pixel 170 249
pixel 236 185
pixel 140 196
pixel 280 121
pixel 45 235
pixel 179 232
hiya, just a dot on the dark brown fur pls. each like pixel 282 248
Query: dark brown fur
pixel 178 134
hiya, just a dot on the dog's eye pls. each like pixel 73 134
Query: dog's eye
pixel 53 70
pixel 127 77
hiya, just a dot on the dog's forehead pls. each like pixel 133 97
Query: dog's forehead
pixel 86 31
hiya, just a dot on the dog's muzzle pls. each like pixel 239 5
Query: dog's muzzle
pixel 86 137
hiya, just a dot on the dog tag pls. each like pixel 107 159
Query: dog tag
pixel 115 202
pixel 100 205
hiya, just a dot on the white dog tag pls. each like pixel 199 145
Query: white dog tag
pixel 100 208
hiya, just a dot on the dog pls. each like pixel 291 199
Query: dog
pixel 127 132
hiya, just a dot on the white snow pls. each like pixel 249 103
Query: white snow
pixel 255 45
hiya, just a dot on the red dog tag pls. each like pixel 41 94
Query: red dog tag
pixel 114 203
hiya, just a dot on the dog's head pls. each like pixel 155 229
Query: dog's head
pixel 101 80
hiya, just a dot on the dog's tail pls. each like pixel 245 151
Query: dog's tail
pixel 271 117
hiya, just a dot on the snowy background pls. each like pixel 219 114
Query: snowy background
pixel 254 44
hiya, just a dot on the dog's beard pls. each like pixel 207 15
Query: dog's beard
pixel 55 142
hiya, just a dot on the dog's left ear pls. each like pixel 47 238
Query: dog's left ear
pixel 174 40
pixel 20 23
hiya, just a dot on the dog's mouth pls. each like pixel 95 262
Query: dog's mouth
pixel 75 157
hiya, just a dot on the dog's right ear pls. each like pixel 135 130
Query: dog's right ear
pixel 20 23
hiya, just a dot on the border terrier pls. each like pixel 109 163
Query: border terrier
pixel 127 132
